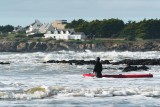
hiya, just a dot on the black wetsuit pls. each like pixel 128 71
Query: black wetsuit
pixel 98 69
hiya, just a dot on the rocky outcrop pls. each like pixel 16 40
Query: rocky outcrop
pixel 138 62
pixel 135 68
pixel 78 62
pixel 10 46
pixel 4 63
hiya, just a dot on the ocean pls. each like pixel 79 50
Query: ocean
pixel 28 82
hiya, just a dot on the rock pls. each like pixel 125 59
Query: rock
pixel 40 46
pixel 77 62
pixel 22 47
pixel 143 67
pixel 105 62
pixel 134 68
pixel 4 63
pixel 31 45
pixel 62 44
pixel 14 46
pixel 130 68
pixel 138 62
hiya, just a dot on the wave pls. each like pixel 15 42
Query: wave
pixel 110 55
pixel 61 91
pixel 36 57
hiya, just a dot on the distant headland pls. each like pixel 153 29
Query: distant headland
pixel 79 35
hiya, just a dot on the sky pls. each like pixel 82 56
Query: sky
pixel 24 12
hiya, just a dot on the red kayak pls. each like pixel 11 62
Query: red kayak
pixel 122 75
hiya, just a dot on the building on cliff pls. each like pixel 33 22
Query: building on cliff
pixel 65 34
pixel 46 27
pixel 55 30
pixel 59 24
pixel 34 28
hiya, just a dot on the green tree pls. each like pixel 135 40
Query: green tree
pixel 6 29
pixel 129 32
pixel 104 28
pixel 145 29
pixel 75 23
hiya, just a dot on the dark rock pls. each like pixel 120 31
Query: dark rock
pixel 130 68
pixel 143 67
pixel 77 62
pixel 139 62
pixel 134 68
pixel 105 62
pixel 51 61
pixel 4 63
pixel 40 46
pixel 31 45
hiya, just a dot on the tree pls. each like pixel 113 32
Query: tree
pixel 149 29
pixel 6 29
pixel 129 32
pixel 75 23
pixel 145 29
pixel 111 27
pixel 104 28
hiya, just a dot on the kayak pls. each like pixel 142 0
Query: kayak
pixel 122 75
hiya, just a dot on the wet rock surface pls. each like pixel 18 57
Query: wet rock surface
pixel 135 68
pixel 4 63
pixel 13 46
pixel 132 65
pixel 139 62
pixel 78 62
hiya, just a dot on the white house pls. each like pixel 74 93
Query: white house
pixel 77 36
pixel 44 28
pixel 65 34
pixel 34 28
pixel 54 30
pixel 59 34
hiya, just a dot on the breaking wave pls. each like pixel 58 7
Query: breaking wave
pixel 59 91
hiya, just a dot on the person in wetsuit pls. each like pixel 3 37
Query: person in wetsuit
pixel 98 68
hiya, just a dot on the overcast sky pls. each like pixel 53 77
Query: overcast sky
pixel 24 12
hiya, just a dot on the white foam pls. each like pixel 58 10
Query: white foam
pixel 44 91
pixel 48 81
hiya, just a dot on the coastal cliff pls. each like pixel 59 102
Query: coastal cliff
pixel 13 46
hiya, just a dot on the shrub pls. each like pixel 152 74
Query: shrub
pixel 36 35
pixel 20 36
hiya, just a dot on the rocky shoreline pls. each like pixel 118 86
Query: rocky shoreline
pixel 132 65
pixel 13 46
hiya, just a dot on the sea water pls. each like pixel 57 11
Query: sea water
pixel 28 82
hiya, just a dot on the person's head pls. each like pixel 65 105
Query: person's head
pixel 97 59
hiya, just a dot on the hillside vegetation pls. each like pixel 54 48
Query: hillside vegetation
pixel 116 28
pixel 106 28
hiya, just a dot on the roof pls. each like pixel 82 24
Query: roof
pixel 44 27
pixel 37 24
